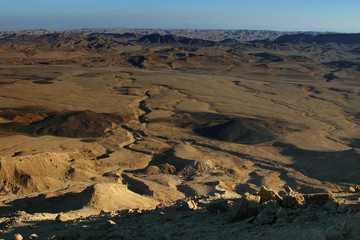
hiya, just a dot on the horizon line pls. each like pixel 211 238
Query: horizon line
pixel 185 28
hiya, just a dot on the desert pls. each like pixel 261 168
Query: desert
pixel 162 136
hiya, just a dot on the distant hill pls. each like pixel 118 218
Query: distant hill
pixel 168 39
pixel 319 39
pixel 209 35
pixel 242 35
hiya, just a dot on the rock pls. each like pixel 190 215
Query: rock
pixel 288 189
pixel 319 199
pixel 113 236
pixel 152 170
pixel 357 188
pixel 189 205
pixel 18 237
pixel 267 212
pixel 342 208
pixel 356 198
pixel 350 190
pixel 331 206
pixel 218 205
pixel 124 211
pixel 292 199
pixel 33 236
pixel 242 209
pixel 339 231
pixel 62 218
pixel 268 195
pixel 281 215
pixel 251 197
pixel 110 223
pixel 167 168
pixel 103 211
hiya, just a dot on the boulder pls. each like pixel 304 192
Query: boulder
pixel 110 223
pixel 267 213
pixel 318 199
pixel 251 197
pixel 167 168
pixel 189 205
pixel 61 218
pixel 221 205
pixel 242 209
pixel 292 199
pixel 282 215
pixel 268 195
pixel 152 170
pixel 342 208
pixel 34 236
pixel 18 237
pixel 350 190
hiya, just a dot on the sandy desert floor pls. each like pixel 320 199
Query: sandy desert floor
pixel 148 150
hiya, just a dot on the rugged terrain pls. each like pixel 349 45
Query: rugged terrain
pixel 92 125
pixel 205 34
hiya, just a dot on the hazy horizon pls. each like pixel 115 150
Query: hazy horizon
pixel 276 15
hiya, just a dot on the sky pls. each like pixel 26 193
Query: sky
pixel 281 15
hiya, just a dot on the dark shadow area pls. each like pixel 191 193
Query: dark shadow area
pixel 228 128
pixel 178 164
pixel 137 61
pixel 74 124
pixel 267 57
pixel 329 77
pixel 43 82
pixel 333 166
pixel 136 186
pixel 240 130
pixel 41 203
pixel 187 190
pixel 355 143
pixel 4 83
pixel 341 64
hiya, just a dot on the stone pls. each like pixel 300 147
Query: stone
pixel 251 197
pixel 18 237
pixel 33 236
pixel 189 205
pixel 350 190
pixel 268 195
pixel 342 208
pixel 167 168
pixel 292 199
pixel 242 209
pixel 331 206
pixel 288 190
pixel 281 215
pixel 110 223
pixel 218 205
pixel 123 212
pixel 338 231
pixel 152 170
pixel 62 218
pixel 356 198
pixel 267 212
pixel 318 199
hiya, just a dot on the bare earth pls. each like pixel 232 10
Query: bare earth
pixel 109 136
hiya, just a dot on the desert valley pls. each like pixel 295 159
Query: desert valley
pixel 163 136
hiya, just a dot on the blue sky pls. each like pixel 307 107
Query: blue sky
pixel 286 15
